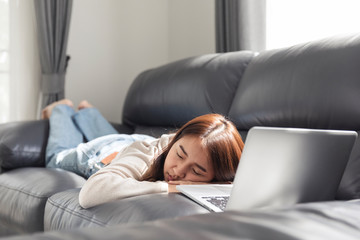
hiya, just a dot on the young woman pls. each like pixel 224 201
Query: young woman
pixel 206 149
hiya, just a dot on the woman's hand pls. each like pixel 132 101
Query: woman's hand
pixel 172 184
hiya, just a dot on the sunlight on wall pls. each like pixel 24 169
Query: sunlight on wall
pixel 20 69
pixel 294 21
pixel 4 61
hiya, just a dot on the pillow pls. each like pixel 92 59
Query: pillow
pixel 23 144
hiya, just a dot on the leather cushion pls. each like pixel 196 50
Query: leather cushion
pixel 311 85
pixel 325 220
pixel 64 212
pixel 23 195
pixel 171 95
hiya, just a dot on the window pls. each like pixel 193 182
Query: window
pixel 4 61
pixel 294 21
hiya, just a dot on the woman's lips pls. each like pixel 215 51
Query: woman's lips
pixel 170 178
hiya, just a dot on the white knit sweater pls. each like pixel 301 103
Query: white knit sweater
pixel 120 179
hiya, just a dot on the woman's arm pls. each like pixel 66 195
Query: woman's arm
pixel 120 178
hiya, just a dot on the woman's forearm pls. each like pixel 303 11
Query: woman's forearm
pixel 102 189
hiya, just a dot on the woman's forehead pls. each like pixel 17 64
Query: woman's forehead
pixel 192 147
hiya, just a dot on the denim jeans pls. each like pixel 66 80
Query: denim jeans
pixel 78 141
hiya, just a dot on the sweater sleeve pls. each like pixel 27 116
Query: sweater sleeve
pixel 120 179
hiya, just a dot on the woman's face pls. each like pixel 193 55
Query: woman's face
pixel 187 160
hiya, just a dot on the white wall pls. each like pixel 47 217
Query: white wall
pixel 112 41
pixel 25 70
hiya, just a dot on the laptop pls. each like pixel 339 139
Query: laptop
pixel 280 167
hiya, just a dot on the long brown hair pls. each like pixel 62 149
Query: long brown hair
pixel 219 136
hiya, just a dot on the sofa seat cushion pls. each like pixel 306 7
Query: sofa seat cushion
pixel 24 193
pixel 63 211
pixel 322 220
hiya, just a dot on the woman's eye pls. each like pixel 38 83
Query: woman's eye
pixel 179 155
pixel 195 172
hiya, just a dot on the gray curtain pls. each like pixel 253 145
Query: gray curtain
pixel 52 20
pixel 240 25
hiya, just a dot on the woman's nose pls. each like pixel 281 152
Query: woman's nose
pixel 180 171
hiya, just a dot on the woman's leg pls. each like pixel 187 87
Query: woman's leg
pixel 63 134
pixel 91 123
pixel 66 149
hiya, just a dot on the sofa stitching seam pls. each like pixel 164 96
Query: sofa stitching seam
pixel 76 213
pixel 25 192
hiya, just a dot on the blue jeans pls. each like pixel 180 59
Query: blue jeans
pixel 78 141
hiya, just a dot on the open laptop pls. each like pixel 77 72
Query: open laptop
pixel 280 167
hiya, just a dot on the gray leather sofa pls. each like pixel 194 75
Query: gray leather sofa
pixel 312 85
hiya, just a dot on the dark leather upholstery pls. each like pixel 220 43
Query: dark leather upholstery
pixel 312 85
pixel 23 144
pixel 64 212
pixel 23 195
pixel 171 95
pixel 320 221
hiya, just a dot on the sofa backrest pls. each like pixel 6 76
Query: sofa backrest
pixel 167 97
pixel 311 85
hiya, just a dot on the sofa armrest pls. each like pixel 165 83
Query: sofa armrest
pixel 23 144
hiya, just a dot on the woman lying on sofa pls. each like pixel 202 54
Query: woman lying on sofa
pixel 206 149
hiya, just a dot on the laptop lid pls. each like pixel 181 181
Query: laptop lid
pixel 284 166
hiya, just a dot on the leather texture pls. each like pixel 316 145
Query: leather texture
pixel 23 195
pixel 349 187
pixel 311 85
pixel 171 95
pixel 23 144
pixel 63 211
pixel 320 221
pixel 121 128
pixel 154 131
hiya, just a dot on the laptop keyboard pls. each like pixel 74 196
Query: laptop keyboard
pixel 218 201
